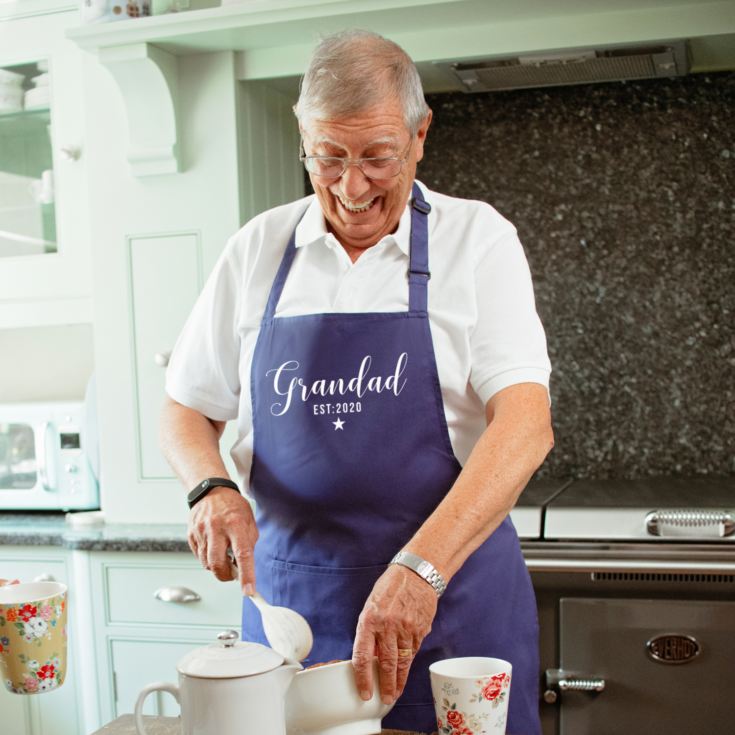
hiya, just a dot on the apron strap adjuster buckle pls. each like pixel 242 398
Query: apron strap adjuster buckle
pixel 426 274
pixel 423 206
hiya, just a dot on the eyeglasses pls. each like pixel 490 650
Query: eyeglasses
pixel 332 167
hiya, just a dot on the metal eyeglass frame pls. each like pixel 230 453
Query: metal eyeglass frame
pixel 354 162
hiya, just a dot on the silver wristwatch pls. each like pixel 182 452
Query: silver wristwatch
pixel 422 567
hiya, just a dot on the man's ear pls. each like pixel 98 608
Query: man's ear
pixel 421 136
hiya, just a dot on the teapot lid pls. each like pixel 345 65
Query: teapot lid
pixel 228 659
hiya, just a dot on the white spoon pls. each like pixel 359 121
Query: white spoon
pixel 287 631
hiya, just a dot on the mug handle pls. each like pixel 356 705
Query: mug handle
pixel 159 686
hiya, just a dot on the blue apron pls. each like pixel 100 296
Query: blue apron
pixel 351 455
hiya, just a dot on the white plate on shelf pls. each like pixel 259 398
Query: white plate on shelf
pixel 11 102
pixel 37 98
pixel 11 78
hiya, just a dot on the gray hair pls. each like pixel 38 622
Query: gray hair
pixel 354 70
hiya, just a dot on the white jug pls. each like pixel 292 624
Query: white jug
pixel 228 688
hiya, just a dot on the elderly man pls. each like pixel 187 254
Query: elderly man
pixel 379 347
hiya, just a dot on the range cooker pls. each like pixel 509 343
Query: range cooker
pixel 635 582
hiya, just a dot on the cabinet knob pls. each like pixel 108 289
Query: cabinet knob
pixel 176 594
pixel 45 577
pixel 161 358
pixel 70 153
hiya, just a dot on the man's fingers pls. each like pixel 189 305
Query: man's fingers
pixel 217 561
pixel 406 652
pixel 202 553
pixel 363 654
pixel 388 665
pixel 244 559
pixel 220 521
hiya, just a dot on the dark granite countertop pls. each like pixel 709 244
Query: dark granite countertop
pixel 51 529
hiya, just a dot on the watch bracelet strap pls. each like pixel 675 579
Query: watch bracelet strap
pixel 204 487
pixel 423 568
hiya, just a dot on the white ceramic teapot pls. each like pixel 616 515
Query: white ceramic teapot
pixel 228 688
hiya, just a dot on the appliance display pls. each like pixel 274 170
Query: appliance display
pixel 43 462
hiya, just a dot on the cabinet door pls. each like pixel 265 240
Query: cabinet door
pixel 156 327
pixel 139 638
pixel 136 663
pixel 46 268
pixel 16 713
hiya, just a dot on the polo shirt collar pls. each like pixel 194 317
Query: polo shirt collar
pixel 313 227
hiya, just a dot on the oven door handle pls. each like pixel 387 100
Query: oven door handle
pixel 682 522
pixel 558 680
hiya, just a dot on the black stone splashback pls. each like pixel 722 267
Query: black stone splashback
pixel 623 198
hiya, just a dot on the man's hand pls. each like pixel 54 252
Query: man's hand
pixel 3 582
pixel 394 621
pixel 221 520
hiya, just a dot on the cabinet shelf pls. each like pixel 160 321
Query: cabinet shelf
pixel 24 122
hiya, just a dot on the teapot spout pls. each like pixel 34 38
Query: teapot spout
pixel 286 673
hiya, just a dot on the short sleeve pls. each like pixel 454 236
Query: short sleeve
pixel 508 343
pixel 203 372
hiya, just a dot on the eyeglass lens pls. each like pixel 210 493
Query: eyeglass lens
pixel 373 168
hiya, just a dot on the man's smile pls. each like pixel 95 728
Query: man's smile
pixel 356 207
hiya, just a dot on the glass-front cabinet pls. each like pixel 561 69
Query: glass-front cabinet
pixel 27 209
pixel 44 231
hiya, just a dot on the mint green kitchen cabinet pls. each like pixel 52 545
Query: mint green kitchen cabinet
pixel 238 154
pixel 150 609
pixel 45 266
pixel 56 712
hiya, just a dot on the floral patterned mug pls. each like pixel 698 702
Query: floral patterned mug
pixel 471 695
pixel 33 636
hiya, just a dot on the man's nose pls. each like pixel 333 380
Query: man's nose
pixel 354 183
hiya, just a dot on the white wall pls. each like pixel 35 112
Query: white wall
pixel 45 363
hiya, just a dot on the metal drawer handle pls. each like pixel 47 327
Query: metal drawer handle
pixel 581 685
pixel 718 523
pixel 45 577
pixel 176 594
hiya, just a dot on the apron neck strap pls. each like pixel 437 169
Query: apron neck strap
pixel 418 269
pixel 280 280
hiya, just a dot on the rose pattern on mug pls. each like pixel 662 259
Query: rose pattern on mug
pixel 493 689
pixel 456 721
pixel 34 625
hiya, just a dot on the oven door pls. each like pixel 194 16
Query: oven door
pixel 645 667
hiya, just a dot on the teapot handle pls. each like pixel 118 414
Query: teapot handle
pixel 159 686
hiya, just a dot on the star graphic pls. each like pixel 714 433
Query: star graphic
pixel 338 424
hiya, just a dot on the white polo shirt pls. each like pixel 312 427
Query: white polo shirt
pixel 482 313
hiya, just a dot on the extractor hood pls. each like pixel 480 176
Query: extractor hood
pixel 571 66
